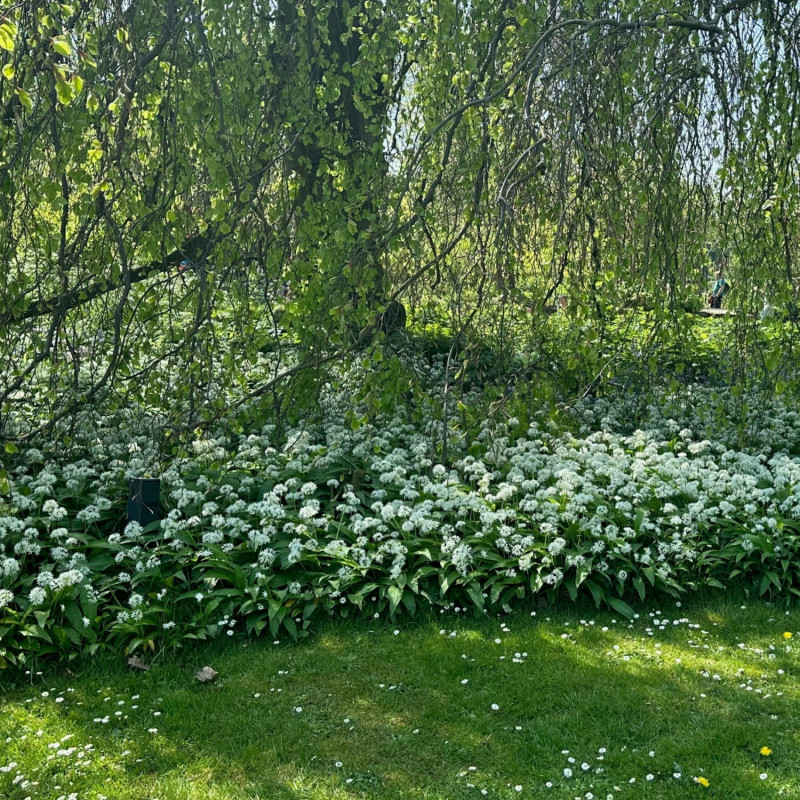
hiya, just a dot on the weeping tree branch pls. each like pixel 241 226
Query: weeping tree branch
pixel 78 296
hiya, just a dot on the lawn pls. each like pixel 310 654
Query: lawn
pixel 566 702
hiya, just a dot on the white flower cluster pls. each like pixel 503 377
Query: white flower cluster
pixel 336 509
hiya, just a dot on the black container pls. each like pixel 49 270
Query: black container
pixel 143 500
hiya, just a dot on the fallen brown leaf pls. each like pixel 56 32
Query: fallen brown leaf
pixel 134 662
pixel 206 674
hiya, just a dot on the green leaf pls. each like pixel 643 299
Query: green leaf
pixel 395 594
pixel 583 571
pixel 497 589
pixel 87 58
pixel 620 606
pixel 639 586
pixel 64 92
pixel 37 632
pixel 773 576
pixel 409 601
pixel 74 615
pixel 476 595
pixel 88 605
pixel 290 626
pixel 276 614
pixel 8 30
pixel 598 594
pixel 61 45
pixel 447 581
pixel 8 71
pixel 24 98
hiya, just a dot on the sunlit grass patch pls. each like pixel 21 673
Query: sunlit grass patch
pixel 444 707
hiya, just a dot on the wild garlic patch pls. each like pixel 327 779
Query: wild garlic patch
pixel 255 537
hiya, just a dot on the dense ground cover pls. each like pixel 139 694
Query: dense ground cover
pixel 569 703
pixel 338 521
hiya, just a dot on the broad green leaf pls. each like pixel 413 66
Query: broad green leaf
pixel 582 571
pixel 8 30
pixel 74 615
pixel 476 595
pixel 446 582
pixel 620 605
pixel 61 45
pixel 394 593
pixel 64 92
pixel 598 595
pixel 24 98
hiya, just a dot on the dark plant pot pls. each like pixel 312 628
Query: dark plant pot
pixel 143 500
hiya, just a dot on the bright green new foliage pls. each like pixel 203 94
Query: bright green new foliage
pixel 190 190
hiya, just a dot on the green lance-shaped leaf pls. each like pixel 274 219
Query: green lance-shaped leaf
pixel 394 593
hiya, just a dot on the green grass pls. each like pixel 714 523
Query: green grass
pixel 392 708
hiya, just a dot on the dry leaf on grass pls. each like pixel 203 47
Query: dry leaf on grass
pixel 206 674
pixel 134 662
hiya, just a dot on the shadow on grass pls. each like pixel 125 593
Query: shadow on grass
pixel 397 714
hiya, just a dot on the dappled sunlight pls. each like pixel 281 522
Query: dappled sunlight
pixel 363 432
pixel 435 712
